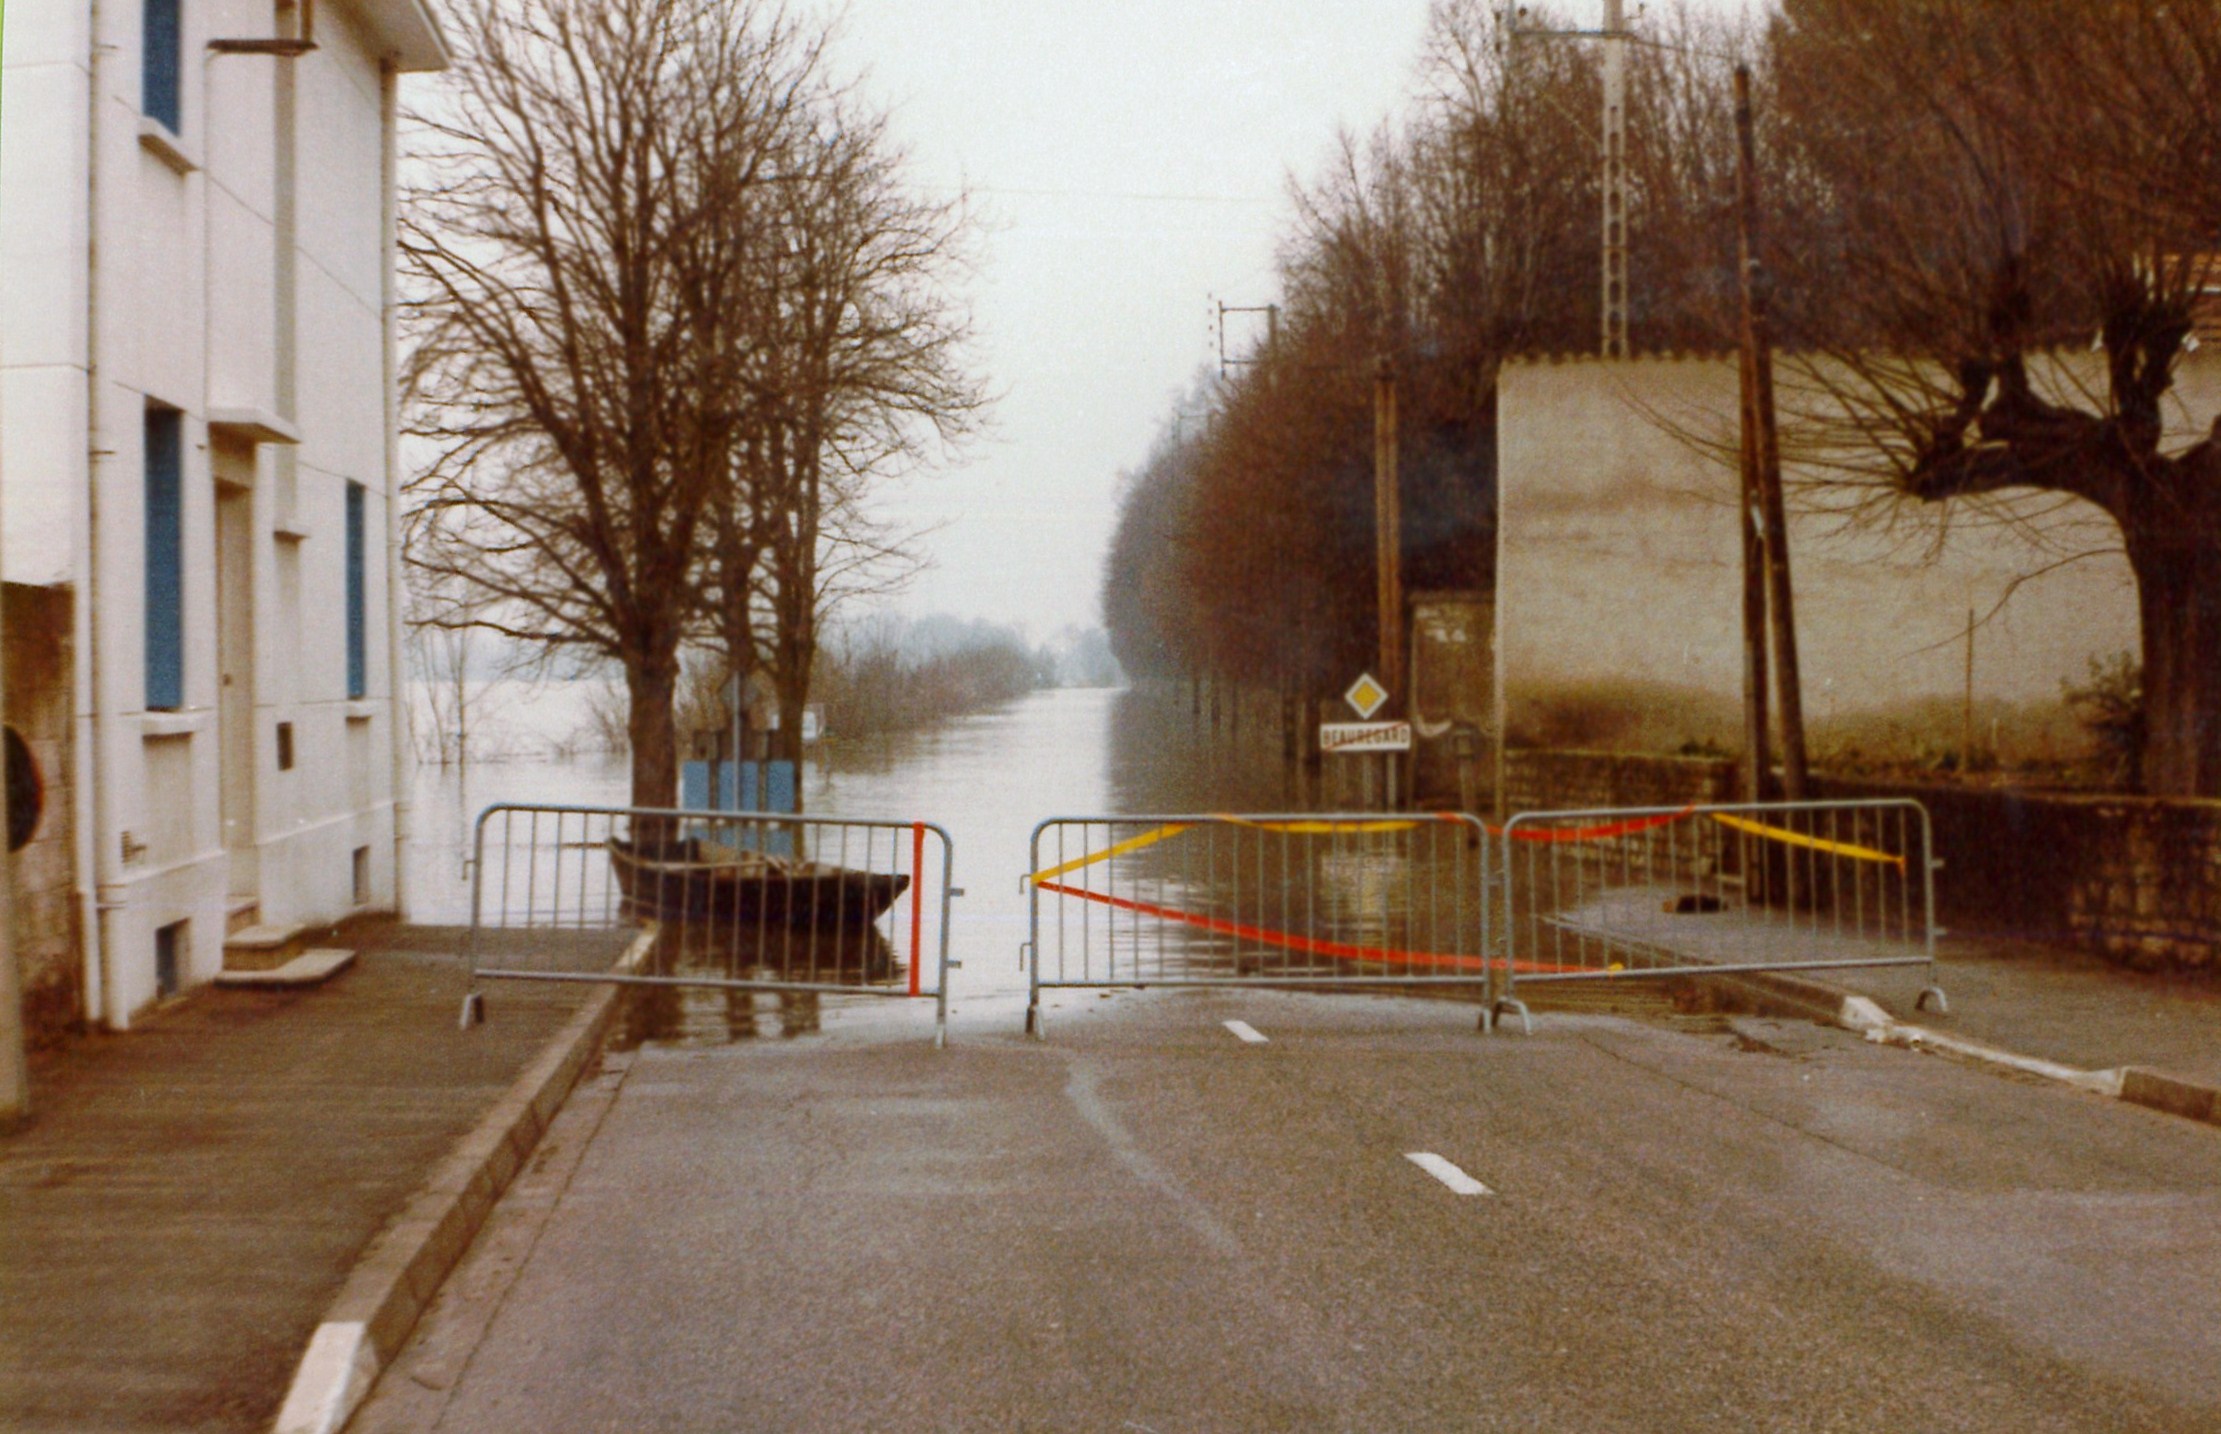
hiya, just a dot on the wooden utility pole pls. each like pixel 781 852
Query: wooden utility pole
pixel 1758 762
pixel 1966 710
pixel 1388 530
pixel 1762 445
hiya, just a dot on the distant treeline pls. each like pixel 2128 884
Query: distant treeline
pixel 891 675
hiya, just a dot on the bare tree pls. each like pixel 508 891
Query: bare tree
pixel 2006 215
pixel 441 652
pixel 580 242
pixel 860 371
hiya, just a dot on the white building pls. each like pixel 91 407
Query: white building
pixel 197 476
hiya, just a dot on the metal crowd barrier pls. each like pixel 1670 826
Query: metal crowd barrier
pixel 738 901
pixel 1636 893
pixel 1317 901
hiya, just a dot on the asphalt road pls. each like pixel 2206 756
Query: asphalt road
pixel 1150 1223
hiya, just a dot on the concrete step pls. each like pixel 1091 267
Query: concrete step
pixel 263 948
pixel 312 967
pixel 244 912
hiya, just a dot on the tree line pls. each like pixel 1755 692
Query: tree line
pixel 675 312
pixel 1990 228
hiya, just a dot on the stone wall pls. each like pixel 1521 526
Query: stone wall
pixel 2136 879
pixel 36 623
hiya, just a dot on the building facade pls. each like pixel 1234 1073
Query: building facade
pixel 198 478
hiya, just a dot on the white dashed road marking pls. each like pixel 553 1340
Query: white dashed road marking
pixel 1442 1170
pixel 1246 1031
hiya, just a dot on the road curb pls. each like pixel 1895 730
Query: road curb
pixel 2192 1100
pixel 397 1276
pixel 2138 1085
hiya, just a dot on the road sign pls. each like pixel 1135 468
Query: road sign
pixel 1345 737
pixel 1365 696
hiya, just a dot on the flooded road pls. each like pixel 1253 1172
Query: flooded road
pixel 986 779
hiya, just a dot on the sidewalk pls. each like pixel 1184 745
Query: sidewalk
pixel 189 1198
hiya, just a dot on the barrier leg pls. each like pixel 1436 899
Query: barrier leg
pixel 1496 1012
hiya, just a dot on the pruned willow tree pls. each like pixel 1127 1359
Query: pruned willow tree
pixel 1998 219
pixel 672 312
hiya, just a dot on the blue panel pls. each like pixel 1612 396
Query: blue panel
pixel 165 559
pixel 779 787
pixel 694 785
pixel 358 631
pixel 728 787
pixel 160 95
pixel 748 787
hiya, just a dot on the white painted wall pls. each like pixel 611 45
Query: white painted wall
pixel 140 269
pixel 1619 577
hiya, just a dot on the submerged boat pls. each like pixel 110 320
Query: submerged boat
pixel 704 881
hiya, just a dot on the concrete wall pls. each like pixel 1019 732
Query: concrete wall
pixel 1544 781
pixel 1618 579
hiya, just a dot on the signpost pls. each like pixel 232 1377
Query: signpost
pixel 1367 696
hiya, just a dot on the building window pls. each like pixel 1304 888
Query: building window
pixel 169 959
pixel 161 90
pixel 358 633
pixel 165 533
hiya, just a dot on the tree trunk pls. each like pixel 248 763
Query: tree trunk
pixel 651 685
pixel 2178 589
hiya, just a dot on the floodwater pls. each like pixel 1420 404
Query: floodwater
pixel 986 779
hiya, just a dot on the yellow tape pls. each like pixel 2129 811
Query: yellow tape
pixel 1147 838
pixel 1151 838
pixel 1790 838
pixel 1315 828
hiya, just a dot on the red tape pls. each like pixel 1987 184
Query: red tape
pixel 1307 944
pixel 1603 833
pixel 917 897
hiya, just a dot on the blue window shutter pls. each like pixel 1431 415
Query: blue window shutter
pixel 160 41
pixel 358 632
pixel 165 532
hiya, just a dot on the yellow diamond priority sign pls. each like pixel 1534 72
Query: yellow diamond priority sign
pixel 1365 696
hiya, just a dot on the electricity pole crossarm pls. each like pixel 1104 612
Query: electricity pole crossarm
pixel 1272 332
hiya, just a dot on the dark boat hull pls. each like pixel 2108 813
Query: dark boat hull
pixel 694 881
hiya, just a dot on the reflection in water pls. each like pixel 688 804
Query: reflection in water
pixel 704 1014
pixel 1140 900
pixel 1365 893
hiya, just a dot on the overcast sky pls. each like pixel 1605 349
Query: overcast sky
pixel 1130 159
